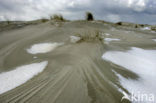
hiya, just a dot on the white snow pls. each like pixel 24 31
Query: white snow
pixel 43 47
pixel 146 28
pixel 140 61
pixel 111 39
pixel 74 39
pixel 137 88
pixel 125 95
pixel 12 79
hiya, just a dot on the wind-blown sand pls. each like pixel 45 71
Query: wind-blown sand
pixel 85 69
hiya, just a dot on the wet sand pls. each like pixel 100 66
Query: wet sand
pixel 76 72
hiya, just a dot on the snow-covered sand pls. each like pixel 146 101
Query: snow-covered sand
pixel 140 61
pixel 146 28
pixel 74 39
pixel 43 47
pixel 11 79
pixel 111 39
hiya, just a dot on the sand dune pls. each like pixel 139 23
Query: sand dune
pixel 76 71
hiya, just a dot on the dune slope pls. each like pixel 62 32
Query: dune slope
pixel 76 72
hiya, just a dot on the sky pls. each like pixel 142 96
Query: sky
pixel 137 11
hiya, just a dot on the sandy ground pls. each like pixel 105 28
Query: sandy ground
pixel 76 72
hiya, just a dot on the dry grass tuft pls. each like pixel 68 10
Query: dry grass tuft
pixel 43 20
pixel 57 17
pixel 90 35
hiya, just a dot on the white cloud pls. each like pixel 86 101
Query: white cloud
pixel 137 5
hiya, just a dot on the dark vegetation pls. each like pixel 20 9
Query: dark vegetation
pixel 44 20
pixel 89 16
pixel 119 23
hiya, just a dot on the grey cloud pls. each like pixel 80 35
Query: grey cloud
pixel 139 11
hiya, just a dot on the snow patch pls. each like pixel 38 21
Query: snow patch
pixel 43 47
pixel 12 79
pixel 146 28
pixel 136 88
pixel 140 61
pixel 74 39
pixel 111 39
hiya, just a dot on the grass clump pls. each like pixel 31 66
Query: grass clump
pixel 119 23
pixel 90 35
pixel 57 17
pixel 89 16
pixel 43 20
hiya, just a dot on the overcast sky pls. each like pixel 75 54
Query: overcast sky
pixel 138 11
